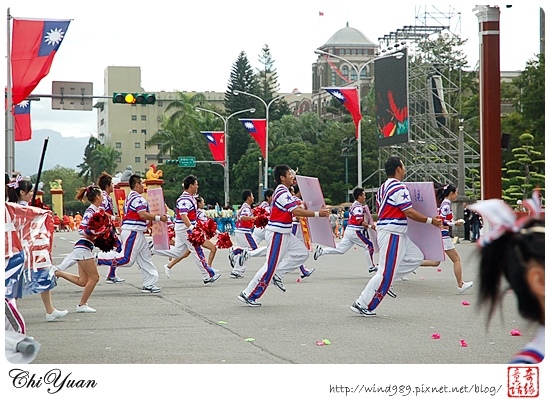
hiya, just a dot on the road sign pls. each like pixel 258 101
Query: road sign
pixel 187 162
pixel 72 95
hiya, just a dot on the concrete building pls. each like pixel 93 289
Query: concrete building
pixel 126 127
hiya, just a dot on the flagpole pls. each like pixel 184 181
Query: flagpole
pixel 10 142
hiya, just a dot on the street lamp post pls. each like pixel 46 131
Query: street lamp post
pixel 267 105
pixel 225 138
pixel 397 55
pixel 260 185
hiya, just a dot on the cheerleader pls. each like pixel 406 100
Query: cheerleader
pixel 20 191
pixel 445 195
pixel 88 275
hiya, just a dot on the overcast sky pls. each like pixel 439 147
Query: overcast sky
pixel 190 46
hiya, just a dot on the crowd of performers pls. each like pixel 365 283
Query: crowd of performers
pixel 513 249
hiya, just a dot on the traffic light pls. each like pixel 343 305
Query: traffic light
pixel 171 161
pixel 134 98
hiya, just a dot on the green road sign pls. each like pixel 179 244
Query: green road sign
pixel 187 162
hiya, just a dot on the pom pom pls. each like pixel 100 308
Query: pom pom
pixel 107 241
pixel 197 237
pixel 99 223
pixel 210 228
pixel 224 241
pixel 171 232
pixel 262 217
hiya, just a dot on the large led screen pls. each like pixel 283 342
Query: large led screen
pixel 392 100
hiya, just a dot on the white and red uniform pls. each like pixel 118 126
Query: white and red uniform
pixel 245 239
pixel 284 251
pixel 354 235
pixel 445 211
pixel 398 254
pixel 186 204
pixel 134 245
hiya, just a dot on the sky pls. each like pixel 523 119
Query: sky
pixel 191 46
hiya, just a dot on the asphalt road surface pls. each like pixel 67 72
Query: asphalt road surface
pixel 192 323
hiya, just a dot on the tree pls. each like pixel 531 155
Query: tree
pixel 72 181
pixel 524 172
pixel 86 169
pixel 269 85
pixel 104 159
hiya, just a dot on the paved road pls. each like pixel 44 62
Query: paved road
pixel 190 323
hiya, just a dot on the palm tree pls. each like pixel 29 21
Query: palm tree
pixel 86 171
pixel 104 159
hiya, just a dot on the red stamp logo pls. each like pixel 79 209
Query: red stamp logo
pixel 523 382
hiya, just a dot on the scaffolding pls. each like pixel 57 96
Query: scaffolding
pixel 432 152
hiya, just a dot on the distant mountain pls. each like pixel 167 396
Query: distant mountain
pixel 63 151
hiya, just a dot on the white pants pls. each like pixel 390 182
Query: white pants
pixel 179 247
pixel 353 237
pixel 258 234
pixel 247 241
pixel 399 256
pixel 285 253
pixel 135 249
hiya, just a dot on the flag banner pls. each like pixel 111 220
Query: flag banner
pixel 319 229
pixel 29 232
pixel 120 197
pixel 155 198
pixel 256 127
pixel 391 100
pixel 22 121
pixel 305 233
pixel 34 44
pixel 349 97
pixel 425 236
pixel 216 142
pixel 321 13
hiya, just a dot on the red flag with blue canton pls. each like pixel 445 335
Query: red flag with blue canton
pixel 34 44
pixel 22 118
pixel 256 127
pixel 217 145
pixel 349 97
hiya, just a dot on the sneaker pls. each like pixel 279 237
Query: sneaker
pixel 373 269
pixel 236 275
pixel 404 278
pixel 151 247
pixel 243 257
pixel 308 273
pixel 391 292
pixel 318 252
pixel 211 279
pixel 56 314
pixel 150 289
pixel 250 302
pixel 114 280
pixel 278 283
pixel 465 285
pixel 363 311
pixel 84 309
pixel 166 270
pixel 231 258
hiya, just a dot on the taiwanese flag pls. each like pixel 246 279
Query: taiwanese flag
pixel 33 47
pixel 22 118
pixel 216 142
pixel 256 127
pixel 349 97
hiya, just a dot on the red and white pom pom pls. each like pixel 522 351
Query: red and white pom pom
pixel 210 228
pixel 197 237
pixel 262 217
pixel 100 222
pixel 224 241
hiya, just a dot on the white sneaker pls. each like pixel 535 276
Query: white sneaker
pixel 465 286
pixel 167 270
pixel 318 252
pixel 84 309
pixel 404 278
pixel 56 314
